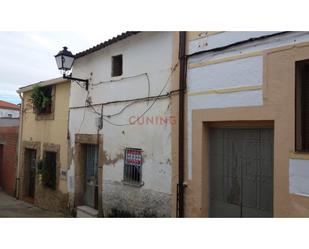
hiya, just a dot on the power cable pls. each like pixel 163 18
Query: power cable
pixel 128 77
pixel 135 101
pixel 158 96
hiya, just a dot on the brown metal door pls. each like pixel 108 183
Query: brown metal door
pixel 241 172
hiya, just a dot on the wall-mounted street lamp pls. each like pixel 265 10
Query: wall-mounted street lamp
pixel 65 60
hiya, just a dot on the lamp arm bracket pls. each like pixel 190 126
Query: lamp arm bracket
pixel 77 79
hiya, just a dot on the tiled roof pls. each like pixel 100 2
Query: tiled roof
pixel 106 43
pixel 7 105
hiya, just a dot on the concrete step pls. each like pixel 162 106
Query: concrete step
pixel 86 212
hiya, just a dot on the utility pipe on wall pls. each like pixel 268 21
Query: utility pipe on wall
pixel 182 88
pixel 17 181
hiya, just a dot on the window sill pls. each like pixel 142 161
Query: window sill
pixel 47 116
pixel 137 185
pixel 117 78
pixel 299 155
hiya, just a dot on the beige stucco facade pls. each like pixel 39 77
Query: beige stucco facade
pixel 275 108
pixel 49 133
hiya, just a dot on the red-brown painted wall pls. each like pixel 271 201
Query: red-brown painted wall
pixel 8 158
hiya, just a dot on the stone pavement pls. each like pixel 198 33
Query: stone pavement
pixel 10 207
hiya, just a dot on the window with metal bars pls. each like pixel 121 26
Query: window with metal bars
pixel 132 172
pixel 302 106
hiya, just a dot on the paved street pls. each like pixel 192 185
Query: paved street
pixel 10 207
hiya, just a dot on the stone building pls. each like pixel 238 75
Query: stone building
pixel 121 128
pixel 43 154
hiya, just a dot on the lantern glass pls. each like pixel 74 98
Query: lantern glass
pixel 64 60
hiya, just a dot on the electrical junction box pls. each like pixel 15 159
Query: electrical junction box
pixel 99 122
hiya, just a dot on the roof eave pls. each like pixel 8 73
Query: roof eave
pixel 106 43
pixel 42 83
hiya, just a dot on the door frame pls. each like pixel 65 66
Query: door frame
pixel 94 188
pixel 205 181
pixel 79 159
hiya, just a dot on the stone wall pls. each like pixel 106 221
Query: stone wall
pixel 131 201
pixel 53 200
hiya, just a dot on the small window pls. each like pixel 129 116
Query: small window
pixel 302 106
pixel 41 98
pixel 48 95
pixel 133 166
pixel 49 169
pixel 117 65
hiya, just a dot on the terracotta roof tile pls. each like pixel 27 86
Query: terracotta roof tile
pixel 8 105
pixel 106 43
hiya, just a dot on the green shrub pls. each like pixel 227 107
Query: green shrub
pixel 40 99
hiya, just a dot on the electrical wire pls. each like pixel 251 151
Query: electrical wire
pixel 128 77
pixel 135 101
pixel 152 104
pixel 122 110
pixel 148 80
pixel 84 113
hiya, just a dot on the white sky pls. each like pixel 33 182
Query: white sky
pixel 28 57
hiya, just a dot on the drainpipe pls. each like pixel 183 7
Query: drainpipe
pixel 182 88
pixel 100 167
pixel 17 181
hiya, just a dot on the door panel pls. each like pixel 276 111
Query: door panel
pixel 91 175
pixel 241 172
pixel 30 164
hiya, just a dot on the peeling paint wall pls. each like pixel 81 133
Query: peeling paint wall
pixel 147 52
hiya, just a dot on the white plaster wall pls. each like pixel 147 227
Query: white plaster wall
pixel 248 72
pixel 257 46
pixel 299 177
pixel 147 52
pixel 224 39
pixel 4 113
pixel 154 139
